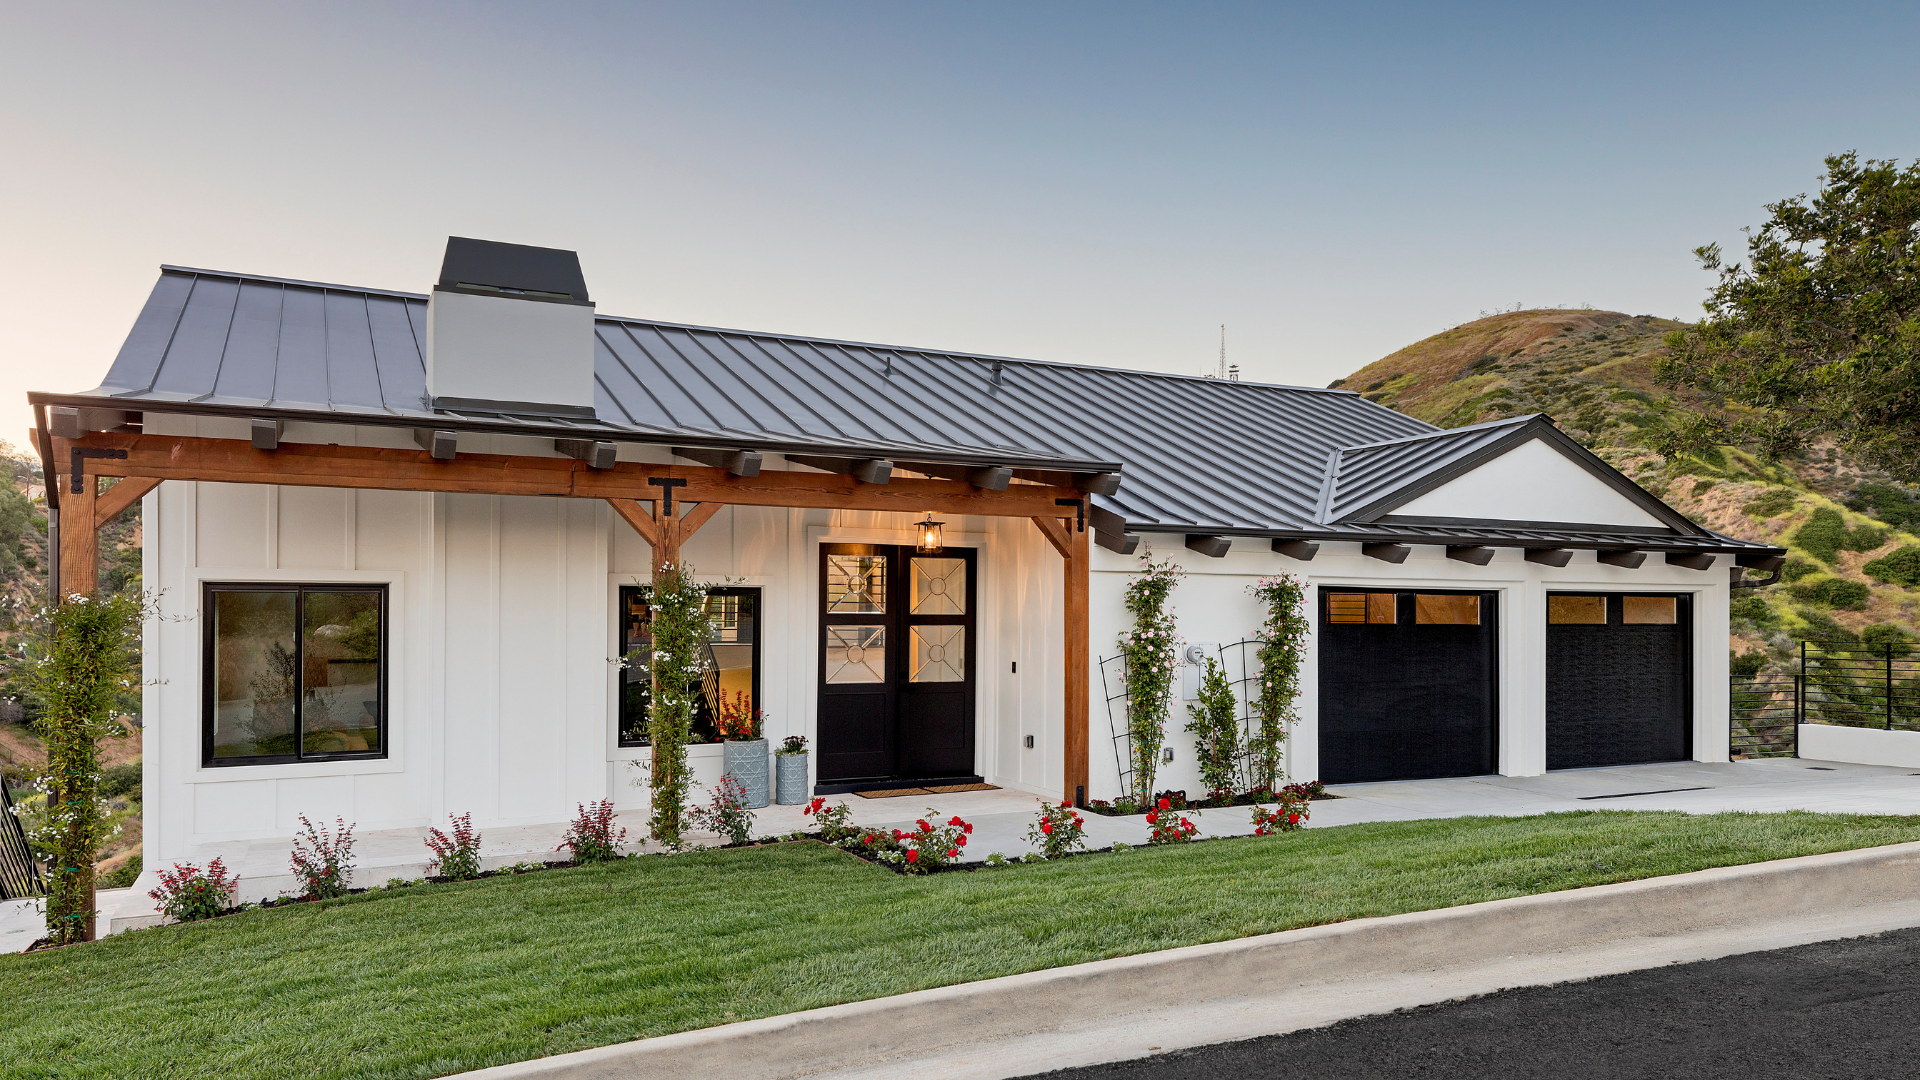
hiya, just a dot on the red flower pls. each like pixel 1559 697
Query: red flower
pixel 913 856
pixel 1165 805
pixel 953 854
pixel 967 825
pixel 1153 818
pixel 1293 819
pixel 955 820
pixel 962 841
pixel 1046 826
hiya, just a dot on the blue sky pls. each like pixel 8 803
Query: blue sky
pixel 1101 183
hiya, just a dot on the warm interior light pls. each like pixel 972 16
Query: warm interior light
pixel 929 537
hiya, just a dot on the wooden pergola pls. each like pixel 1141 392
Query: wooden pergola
pixel 665 504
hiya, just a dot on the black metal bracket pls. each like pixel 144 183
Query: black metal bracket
pixel 1079 512
pixel 666 484
pixel 79 464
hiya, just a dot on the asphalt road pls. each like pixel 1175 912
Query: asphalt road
pixel 1845 1009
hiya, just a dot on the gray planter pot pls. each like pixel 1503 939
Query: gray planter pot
pixel 792 774
pixel 747 762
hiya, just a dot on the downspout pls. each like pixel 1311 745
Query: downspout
pixel 1735 573
pixel 51 484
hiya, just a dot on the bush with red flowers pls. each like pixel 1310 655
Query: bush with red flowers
pixel 1285 817
pixel 834 822
pixel 1059 830
pixel 323 861
pixel 456 857
pixel 1311 789
pixel 592 836
pixel 929 847
pixel 187 893
pixel 1169 826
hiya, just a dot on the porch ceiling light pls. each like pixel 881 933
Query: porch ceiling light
pixel 929 543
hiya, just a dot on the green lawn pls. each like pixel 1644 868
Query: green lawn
pixel 437 979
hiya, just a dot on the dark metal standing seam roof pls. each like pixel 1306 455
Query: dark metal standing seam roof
pixel 1198 455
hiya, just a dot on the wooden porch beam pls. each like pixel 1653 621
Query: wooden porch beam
pixel 171 457
pixel 120 496
pixel 1057 534
pixel 1079 696
pixel 634 514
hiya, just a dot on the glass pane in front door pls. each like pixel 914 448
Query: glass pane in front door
pixel 939 587
pixel 856 654
pixel 939 654
pixel 856 584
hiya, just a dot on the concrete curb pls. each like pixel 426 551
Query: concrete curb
pixel 1741 908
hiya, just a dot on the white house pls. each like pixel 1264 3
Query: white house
pixel 401 537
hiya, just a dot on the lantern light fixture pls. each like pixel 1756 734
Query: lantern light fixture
pixel 929 543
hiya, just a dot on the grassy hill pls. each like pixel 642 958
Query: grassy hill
pixel 1855 537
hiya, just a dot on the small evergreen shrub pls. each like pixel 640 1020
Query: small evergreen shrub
pixel 1821 627
pixel 1880 635
pixel 322 860
pixel 1770 503
pixel 119 780
pixel 1215 725
pixel 1900 567
pixel 455 857
pixel 1825 535
pixel 124 875
pixel 1752 609
pixel 1745 665
pixel 1834 592
pixel 1895 506
pixel 1795 569
pixel 1702 487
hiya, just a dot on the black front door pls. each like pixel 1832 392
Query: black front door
pixel 897 659
pixel 1407 686
pixel 1619 679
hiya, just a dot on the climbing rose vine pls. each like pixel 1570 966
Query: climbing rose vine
pixel 679 622
pixel 1282 640
pixel 1149 652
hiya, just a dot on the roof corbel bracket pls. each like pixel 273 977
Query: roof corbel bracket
pixel 1692 560
pixel 72 422
pixel 737 462
pixel 266 433
pixel 1626 558
pixel 1213 547
pixel 1474 554
pixel 984 477
pixel 1393 553
pixel 865 470
pixel 1099 483
pixel 596 453
pixel 1303 550
pixel 1550 556
pixel 441 444
pixel 1119 543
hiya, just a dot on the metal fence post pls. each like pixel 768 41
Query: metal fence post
pixel 1889 686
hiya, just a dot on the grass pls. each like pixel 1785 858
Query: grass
pixel 437 979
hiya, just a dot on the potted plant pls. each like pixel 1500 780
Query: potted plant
pixel 744 756
pixel 791 771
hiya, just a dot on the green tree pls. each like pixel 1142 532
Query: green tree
pixel 1818 335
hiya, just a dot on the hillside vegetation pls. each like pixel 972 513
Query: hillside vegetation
pixel 1854 573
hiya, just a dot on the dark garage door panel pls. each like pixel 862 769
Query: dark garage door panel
pixel 1619 694
pixel 1406 702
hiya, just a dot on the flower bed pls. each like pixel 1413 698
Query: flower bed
pixel 1311 791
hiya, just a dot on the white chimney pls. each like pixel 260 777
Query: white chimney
pixel 510 329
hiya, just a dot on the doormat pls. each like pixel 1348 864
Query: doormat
pixel 943 789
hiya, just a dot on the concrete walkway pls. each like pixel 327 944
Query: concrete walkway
pixel 1001 818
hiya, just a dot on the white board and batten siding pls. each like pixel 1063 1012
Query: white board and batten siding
pixel 502 621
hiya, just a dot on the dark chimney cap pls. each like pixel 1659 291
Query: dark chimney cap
pixel 528 273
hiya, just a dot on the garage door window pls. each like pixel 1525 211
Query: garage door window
pixel 1438 609
pixel 1576 610
pixel 1647 610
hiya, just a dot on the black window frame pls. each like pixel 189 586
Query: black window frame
pixel 209 691
pixel 701 712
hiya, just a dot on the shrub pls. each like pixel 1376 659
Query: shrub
pixel 834 822
pixel 1751 608
pixel 118 780
pixel 1795 569
pixel 187 893
pixel 1286 817
pixel 1702 487
pixel 124 875
pixel 1895 506
pixel 455 857
pixel 1745 665
pixel 929 847
pixel 1168 826
pixel 1309 790
pixel 1834 592
pixel 1901 567
pixel 1059 830
pixel 1282 646
pixel 1880 635
pixel 592 836
pixel 679 621
pixel 1215 724
pixel 727 813
pixel 1826 534
pixel 1148 652
pixel 323 861
pixel 1773 502
pixel 1821 627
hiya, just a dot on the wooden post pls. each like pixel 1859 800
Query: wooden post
pixel 1079 660
pixel 79 539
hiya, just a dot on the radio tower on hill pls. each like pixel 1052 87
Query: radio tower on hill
pixel 1224 371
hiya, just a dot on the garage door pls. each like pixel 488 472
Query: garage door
pixel 1406 685
pixel 1619 679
